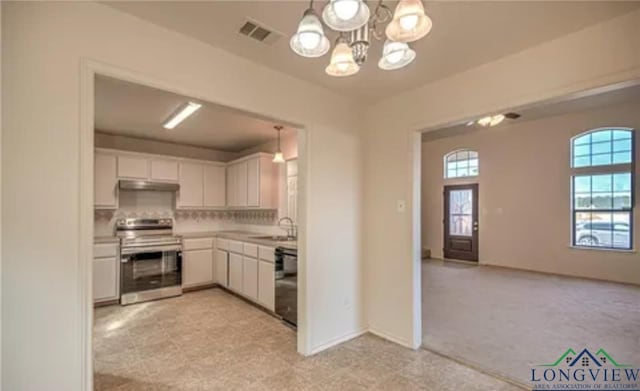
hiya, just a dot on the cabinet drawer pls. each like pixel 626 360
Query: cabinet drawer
pixel 105 250
pixel 223 244
pixel 267 254
pixel 250 250
pixel 197 244
pixel 235 246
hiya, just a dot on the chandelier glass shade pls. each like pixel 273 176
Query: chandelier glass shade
pixel 309 40
pixel 356 25
pixel 345 15
pixel 342 63
pixel 409 23
pixel 396 55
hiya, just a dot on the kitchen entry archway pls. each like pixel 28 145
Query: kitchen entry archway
pixel 89 69
pixel 461 222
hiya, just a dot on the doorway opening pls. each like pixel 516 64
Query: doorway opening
pixel 539 197
pixel 212 186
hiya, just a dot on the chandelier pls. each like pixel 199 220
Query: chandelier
pixel 355 23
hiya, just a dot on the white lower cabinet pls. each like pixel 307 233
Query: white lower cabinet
pixel 105 279
pixel 221 262
pixel 266 284
pixel 197 268
pixel 105 273
pixel 235 272
pixel 250 277
pixel 247 269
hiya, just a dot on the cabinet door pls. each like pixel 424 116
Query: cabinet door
pixel 253 182
pixel 164 170
pixel 191 185
pixel 133 167
pixel 222 265
pixel 292 198
pixel 266 284
pixel 105 181
pixel 250 278
pixel 235 272
pixel 105 279
pixel 231 185
pixel 214 186
pixel 197 268
pixel 241 184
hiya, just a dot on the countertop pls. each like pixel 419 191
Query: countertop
pixel 243 236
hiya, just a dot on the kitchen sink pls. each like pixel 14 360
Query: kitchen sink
pixel 275 238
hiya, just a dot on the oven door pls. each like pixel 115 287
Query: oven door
pixel 144 269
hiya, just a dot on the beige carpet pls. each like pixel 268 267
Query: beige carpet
pixel 505 321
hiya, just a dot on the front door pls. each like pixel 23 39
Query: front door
pixel 461 222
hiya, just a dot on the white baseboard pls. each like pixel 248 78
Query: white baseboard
pixel 337 341
pixel 391 337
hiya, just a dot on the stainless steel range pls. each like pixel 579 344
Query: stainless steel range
pixel 151 260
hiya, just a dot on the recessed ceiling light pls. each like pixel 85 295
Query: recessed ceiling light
pixel 491 120
pixel 183 113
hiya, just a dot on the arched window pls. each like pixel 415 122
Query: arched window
pixel 602 188
pixel 461 163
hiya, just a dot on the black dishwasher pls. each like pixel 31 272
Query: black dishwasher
pixel 286 274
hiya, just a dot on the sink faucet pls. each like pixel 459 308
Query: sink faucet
pixel 291 229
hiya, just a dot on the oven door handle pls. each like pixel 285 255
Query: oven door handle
pixel 150 249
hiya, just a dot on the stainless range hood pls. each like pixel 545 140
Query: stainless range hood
pixel 147 185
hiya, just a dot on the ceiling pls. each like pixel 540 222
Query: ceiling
pixel 465 35
pixel 619 96
pixel 134 110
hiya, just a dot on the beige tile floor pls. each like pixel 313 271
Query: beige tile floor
pixel 211 340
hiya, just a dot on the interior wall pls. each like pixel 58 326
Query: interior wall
pixel 597 56
pixel 134 144
pixel 44 44
pixel 524 194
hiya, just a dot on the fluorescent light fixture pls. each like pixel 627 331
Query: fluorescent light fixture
pixel 183 113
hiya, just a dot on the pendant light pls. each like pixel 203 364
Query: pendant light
pixel 342 62
pixel 278 157
pixel 309 40
pixel 396 55
pixel 346 15
pixel 409 23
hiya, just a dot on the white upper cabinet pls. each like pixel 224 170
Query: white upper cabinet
pixel 133 167
pixel 190 194
pixel 214 186
pixel 164 170
pixel 241 184
pixel 252 182
pixel 105 179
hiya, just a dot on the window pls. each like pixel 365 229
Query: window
pixel 461 163
pixel 602 189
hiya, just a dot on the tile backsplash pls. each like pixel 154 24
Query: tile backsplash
pixel 135 204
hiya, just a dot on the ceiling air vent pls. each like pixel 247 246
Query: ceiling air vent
pixel 255 30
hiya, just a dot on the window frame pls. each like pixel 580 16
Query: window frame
pixel 454 152
pixel 594 170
